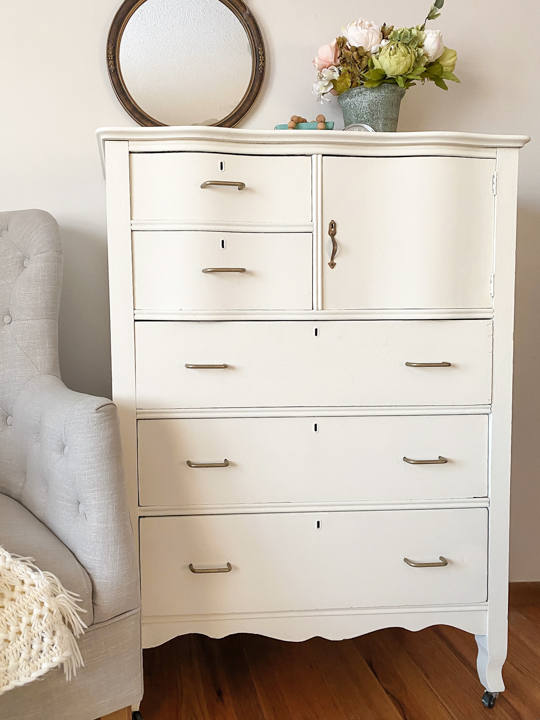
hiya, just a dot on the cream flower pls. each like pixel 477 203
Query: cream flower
pixel 362 33
pixel 433 45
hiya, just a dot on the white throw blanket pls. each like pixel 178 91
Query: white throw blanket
pixel 39 621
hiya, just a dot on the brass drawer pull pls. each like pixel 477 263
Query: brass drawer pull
pixel 190 464
pixel 205 367
pixel 441 461
pixel 332 230
pixel 202 571
pixel 443 563
pixel 423 365
pixel 224 270
pixel 229 183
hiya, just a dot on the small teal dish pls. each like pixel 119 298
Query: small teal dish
pixel 306 126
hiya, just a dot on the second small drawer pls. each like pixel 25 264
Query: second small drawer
pixel 250 461
pixel 222 271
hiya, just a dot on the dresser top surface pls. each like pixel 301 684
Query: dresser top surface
pixel 306 141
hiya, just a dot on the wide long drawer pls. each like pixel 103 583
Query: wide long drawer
pixel 220 188
pixel 222 271
pixel 309 561
pixel 249 461
pixel 350 363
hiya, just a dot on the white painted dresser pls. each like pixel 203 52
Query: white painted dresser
pixel 312 339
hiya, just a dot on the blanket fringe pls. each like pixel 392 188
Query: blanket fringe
pixel 26 592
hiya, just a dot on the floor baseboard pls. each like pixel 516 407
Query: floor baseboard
pixel 525 593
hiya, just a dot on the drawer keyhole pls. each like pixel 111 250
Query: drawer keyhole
pixel 222 166
pixel 316 332
pixel 318 524
pixel 316 427
pixel 223 244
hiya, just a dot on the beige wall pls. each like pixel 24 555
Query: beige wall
pixel 55 92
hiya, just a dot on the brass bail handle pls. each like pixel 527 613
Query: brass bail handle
pixel 332 230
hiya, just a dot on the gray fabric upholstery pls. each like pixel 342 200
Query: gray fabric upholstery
pixel 110 681
pixel 25 535
pixel 60 453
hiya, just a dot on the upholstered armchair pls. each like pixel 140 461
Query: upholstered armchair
pixel 62 498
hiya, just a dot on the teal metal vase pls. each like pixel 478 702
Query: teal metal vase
pixel 377 107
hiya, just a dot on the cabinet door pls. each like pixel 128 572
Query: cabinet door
pixel 412 232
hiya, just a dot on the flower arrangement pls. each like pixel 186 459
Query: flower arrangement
pixel 369 55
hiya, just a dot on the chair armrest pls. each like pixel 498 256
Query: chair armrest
pixel 66 448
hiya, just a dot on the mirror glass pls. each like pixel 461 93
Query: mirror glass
pixel 186 62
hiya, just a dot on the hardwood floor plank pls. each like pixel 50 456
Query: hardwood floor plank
pixel 412 695
pixel 355 689
pixel 172 679
pixel 449 677
pixel 215 676
pixel 305 691
pixel 526 630
pixel 124 714
pixel 262 659
pixel 242 692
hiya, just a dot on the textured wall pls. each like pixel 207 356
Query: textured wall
pixel 55 92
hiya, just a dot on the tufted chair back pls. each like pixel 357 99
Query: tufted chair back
pixel 60 454
pixel 30 285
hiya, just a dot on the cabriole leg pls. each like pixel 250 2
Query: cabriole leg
pixel 491 658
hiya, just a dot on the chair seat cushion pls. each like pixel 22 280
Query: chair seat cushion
pixel 21 533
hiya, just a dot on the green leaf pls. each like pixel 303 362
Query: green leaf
pixel 439 4
pixel 400 81
pixel 373 83
pixel 375 74
pixel 435 69
pixel 450 76
pixel 418 71
pixel 439 82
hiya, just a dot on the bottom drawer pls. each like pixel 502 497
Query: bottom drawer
pixel 310 561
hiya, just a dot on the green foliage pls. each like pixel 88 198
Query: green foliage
pixel 435 72
pixel 343 82
pixel 439 4
pixel 413 37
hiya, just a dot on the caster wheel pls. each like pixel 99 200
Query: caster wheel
pixel 489 699
pixel 137 715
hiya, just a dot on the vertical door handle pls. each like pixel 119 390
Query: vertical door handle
pixel 332 230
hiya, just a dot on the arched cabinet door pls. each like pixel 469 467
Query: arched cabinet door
pixel 410 232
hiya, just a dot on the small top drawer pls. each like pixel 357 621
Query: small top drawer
pixel 219 188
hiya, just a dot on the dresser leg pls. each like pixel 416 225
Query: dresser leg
pixel 491 657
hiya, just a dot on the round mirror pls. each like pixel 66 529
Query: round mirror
pixel 185 62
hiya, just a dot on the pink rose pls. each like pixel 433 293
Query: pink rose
pixel 327 57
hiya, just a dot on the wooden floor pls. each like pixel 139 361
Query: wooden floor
pixel 388 675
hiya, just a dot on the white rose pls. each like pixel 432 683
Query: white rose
pixel 433 45
pixel 364 34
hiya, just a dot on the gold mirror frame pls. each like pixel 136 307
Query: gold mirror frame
pixel 258 65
